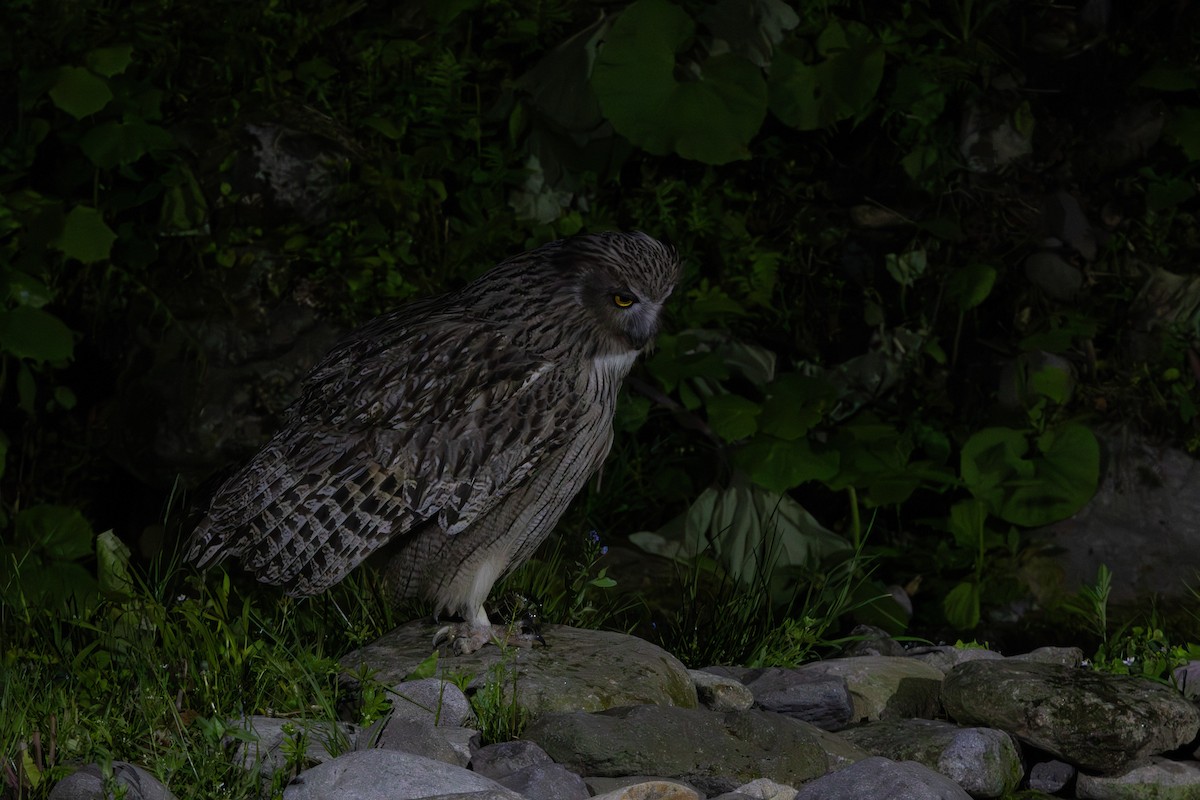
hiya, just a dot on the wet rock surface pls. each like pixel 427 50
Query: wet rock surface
pixel 1095 721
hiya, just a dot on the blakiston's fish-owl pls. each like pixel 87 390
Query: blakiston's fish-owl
pixel 452 431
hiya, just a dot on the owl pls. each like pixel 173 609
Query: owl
pixel 450 434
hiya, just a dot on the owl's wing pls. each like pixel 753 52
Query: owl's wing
pixel 432 428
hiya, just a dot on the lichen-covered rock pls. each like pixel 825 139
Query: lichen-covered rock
pixel 526 769
pixel 715 752
pixel 720 693
pixel 882 779
pixel 438 701
pixel 1156 778
pixel 884 687
pixel 822 700
pixel 946 657
pixel 1051 776
pixel 651 790
pixel 984 761
pixel 388 774
pixel 1097 721
pixel 429 717
pixel 87 783
pixel 580 670
pixel 266 741
pixel 761 789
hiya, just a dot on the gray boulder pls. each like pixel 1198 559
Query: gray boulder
pixel 984 761
pixel 428 718
pixel 761 789
pixel 946 657
pixel 438 701
pixel 525 768
pixel 579 669
pixel 822 700
pixel 1051 776
pixel 421 737
pixel 651 790
pixel 882 779
pixel 87 783
pixel 715 752
pixel 884 687
pixel 1155 778
pixel 264 743
pixel 1063 656
pixel 390 774
pixel 719 692
pixel 1094 720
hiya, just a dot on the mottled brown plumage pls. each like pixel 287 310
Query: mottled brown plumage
pixel 453 431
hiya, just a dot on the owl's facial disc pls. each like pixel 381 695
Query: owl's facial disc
pixel 636 320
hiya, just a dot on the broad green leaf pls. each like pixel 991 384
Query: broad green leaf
pixel 184 206
pixel 444 11
pixel 111 143
pixel 1183 128
pixel 632 412
pixel 794 404
pixel 1166 194
pixel 943 228
pixel 315 70
pixel 920 160
pixel 79 92
pixel 60 532
pixel 918 95
pixel 1044 487
pixel 967 523
pixel 1166 78
pixel 1051 382
pixel 26 290
pixel 750 28
pixel 65 397
pixel 27 332
pixel 794 90
pixel 875 458
pixel 1068 473
pixel 110 61
pixel 760 537
pixel 708 114
pixel 969 286
pixel 85 236
pixel 426 669
pixel 961 606
pixel 732 417
pixel 854 64
pixel 384 126
pixel 780 465
pixel 112 559
pixel 991 457
pixel 905 268
pixel 811 96
pixel 26 389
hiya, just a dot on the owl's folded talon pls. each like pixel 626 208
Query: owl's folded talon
pixel 463 639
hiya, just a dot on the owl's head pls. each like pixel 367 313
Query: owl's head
pixel 622 281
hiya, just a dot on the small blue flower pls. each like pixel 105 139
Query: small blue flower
pixel 604 550
pixel 594 537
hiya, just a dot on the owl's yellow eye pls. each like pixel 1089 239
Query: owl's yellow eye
pixel 623 300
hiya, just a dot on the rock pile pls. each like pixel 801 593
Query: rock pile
pixel 617 718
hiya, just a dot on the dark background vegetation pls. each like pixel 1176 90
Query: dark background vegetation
pixel 918 238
